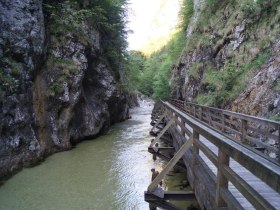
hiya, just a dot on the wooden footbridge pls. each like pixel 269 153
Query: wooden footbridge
pixel 231 159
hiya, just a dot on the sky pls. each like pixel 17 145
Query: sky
pixel 151 20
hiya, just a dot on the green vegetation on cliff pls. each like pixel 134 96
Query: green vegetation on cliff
pixel 76 18
pixel 219 47
pixel 149 74
pixel 238 35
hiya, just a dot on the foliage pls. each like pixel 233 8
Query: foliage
pixel 65 66
pixel 194 70
pixel 9 76
pixel 78 17
pixel 6 81
pixel 277 86
pixel 151 75
pixel 186 13
pixel 161 87
pixel 67 16
pixel 220 85
pixel 63 69
pixel 56 87
pixel 251 7
pixel 213 5
pixel 226 83
pixel 275 117
pixel 113 39
pixel 134 68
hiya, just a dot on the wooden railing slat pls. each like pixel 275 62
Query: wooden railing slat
pixel 236 123
pixel 231 200
pixel 211 155
pixel 266 170
pixel 203 121
pixel 245 189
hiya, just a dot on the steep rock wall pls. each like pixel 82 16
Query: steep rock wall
pixel 231 57
pixel 55 91
pixel 262 94
pixel 22 38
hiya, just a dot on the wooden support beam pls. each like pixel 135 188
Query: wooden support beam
pixel 165 157
pixel 164 205
pixel 195 149
pixel 162 132
pixel 159 120
pixel 172 195
pixel 171 164
pixel 161 149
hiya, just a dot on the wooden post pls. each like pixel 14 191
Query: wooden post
pixel 182 123
pixel 209 117
pixel 243 131
pixel 195 149
pixel 223 122
pixel 170 164
pixel 200 114
pixel 222 181
pixel 185 107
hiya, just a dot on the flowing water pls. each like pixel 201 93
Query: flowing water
pixel 110 172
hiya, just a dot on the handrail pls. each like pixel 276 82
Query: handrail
pixel 267 171
pixel 249 130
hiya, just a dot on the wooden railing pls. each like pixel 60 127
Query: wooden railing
pixel 228 150
pixel 259 134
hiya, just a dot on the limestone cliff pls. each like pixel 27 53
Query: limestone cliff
pixel 231 58
pixel 57 88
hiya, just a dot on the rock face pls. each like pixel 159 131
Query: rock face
pixel 53 94
pixel 262 96
pixel 231 58
pixel 22 38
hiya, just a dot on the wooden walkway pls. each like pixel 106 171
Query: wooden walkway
pixel 225 172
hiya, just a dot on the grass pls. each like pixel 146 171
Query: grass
pixel 194 70
pixel 186 13
pixel 61 70
pixel 7 82
pixel 56 87
pixel 222 85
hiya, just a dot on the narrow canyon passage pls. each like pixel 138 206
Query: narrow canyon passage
pixel 110 172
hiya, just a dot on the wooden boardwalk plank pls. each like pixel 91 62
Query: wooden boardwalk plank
pixel 250 180
pixel 267 192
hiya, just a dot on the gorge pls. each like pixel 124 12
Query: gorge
pixel 67 75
